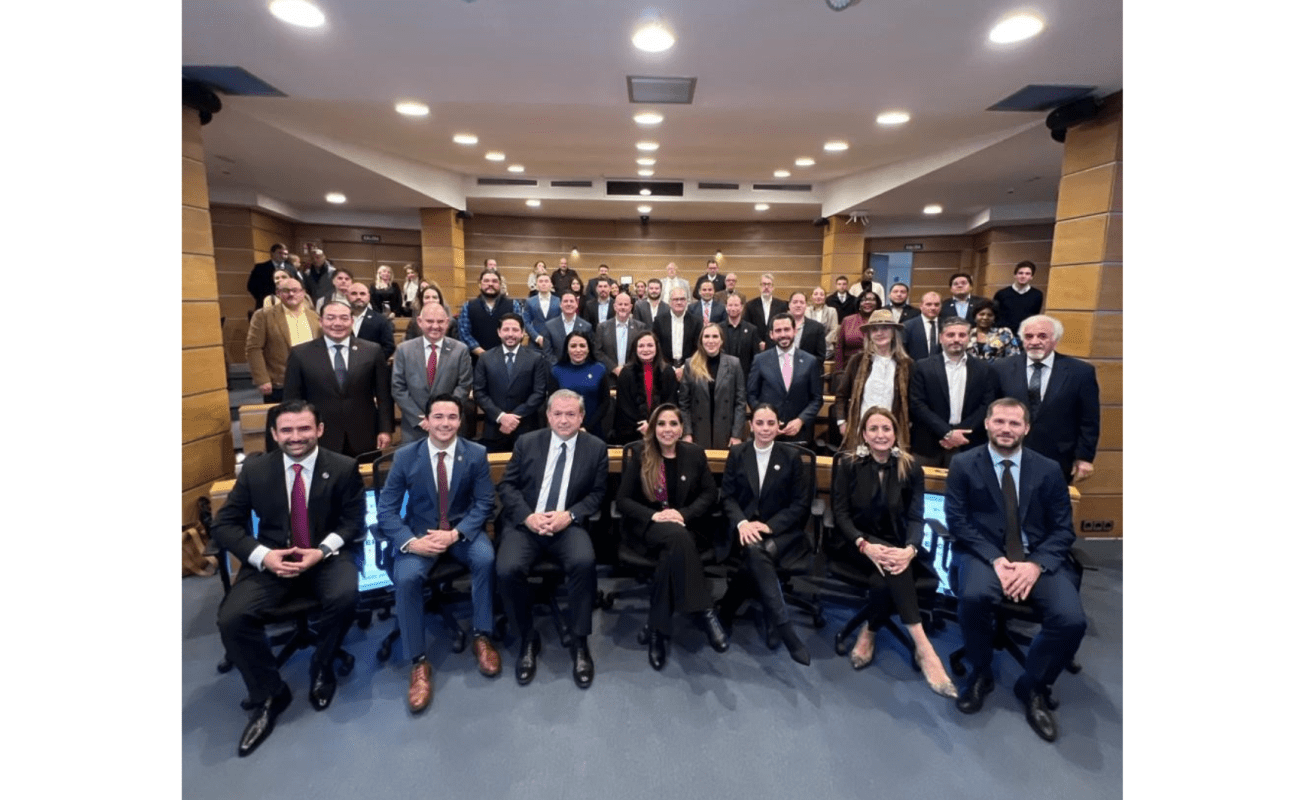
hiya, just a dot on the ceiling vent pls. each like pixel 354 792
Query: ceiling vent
pixel 232 80
pixel 1037 97
pixel 730 186
pixel 649 89
pixel 631 188
pixel 572 184
pixel 783 187
pixel 506 182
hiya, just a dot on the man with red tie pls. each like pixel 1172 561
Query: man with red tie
pixel 429 366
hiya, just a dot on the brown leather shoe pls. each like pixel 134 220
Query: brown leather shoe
pixel 421 691
pixel 489 660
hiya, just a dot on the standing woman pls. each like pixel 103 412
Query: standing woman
pixel 878 499
pixel 385 297
pixel 878 376
pixel 538 269
pixel 827 316
pixel 410 293
pixel 665 496
pixel 645 382
pixel 712 394
pixel 272 299
pixel 578 370
pixel 851 340
pixel 432 294
pixel 988 343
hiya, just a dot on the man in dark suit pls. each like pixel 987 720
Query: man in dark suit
pixel 760 311
pixel 367 323
pixel 766 495
pixel 419 374
pixel 707 309
pixel 347 380
pixel 449 497
pixel 311 508
pixel 649 309
pixel 592 291
pixel 841 300
pixel 678 332
pixel 921 333
pixel 261 281
pixel 1019 301
pixel 809 334
pixel 1062 394
pixel 479 315
pixel 939 430
pixel 557 329
pixel 599 308
pixel 796 400
pixel 614 336
pixel 552 487
pixel 897 303
pixel 510 385
pixel 962 303
pixel 1009 511
pixel 712 278
pixel 739 338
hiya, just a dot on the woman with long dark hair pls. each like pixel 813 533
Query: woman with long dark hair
pixel 580 371
pixel 432 294
pixel 645 382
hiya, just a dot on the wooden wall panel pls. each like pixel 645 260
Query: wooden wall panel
pixel 1101 507
pixel 203 415
pixel 1086 192
pixel 1079 241
pixel 196 230
pixel 1110 379
pixel 206 460
pixel 200 324
pixel 203 369
pixel 329 234
pixel 233 237
pixel 1108 474
pixel 1112 428
pixel 198 277
pixel 230 215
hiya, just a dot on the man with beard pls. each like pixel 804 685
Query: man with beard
pixel 480 316
pixel 367 323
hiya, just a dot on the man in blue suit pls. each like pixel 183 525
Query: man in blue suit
pixel 555 331
pixel 540 309
pixel 708 302
pixel 449 498
pixel 1008 508
pixel 797 400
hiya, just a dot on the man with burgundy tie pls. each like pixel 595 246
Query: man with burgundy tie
pixel 449 497
pixel 428 366
pixel 1008 508
pixel 311 508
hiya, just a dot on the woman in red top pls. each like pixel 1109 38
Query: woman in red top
pixel 645 382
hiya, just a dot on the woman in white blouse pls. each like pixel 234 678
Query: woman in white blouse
pixel 878 376
pixel 827 316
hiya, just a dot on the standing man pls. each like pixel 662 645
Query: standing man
pixel 310 505
pixel 600 308
pixel 346 378
pixel 480 315
pixel 707 308
pixel 261 281
pixel 540 309
pixel 341 278
pixel 272 332
pixel 563 276
pixel 367 323
pixel 867 284
pixel 948 395
pixel 429 366
pixel 510 385
pixel 898 305
pixel 962 303
pixel 552 487
pixel 449 496
pixel 649 309
pixel 614 336
pixel 712 277
pixel 678 333
pixel 672 280
pixel 790 380
pixel 601 272
pixel 843 302
pixel 809 334
pixel 760 311
pixel 921 334
pixel 563 325
pixel 1019 301
pixel 740 338
pixel 319 271
pixel 1061 393
pixel 1009 511
pixel 730 289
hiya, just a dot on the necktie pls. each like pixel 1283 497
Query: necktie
pixel 1015 549
pixel 787 370
pixel 934 337
pixel 433 363
pixel 557 477
pixel 443 494
pixel 706 314
pixel 1035 389
pixel 340 368
pixel 510 366
pixel 298 527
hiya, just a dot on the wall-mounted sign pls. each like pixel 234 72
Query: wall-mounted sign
pixel 914 246
pixel 372 238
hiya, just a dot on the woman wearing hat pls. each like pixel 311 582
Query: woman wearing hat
pixel 878 376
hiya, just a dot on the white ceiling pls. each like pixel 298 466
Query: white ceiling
pixel 545 82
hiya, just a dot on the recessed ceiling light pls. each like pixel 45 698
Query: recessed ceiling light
pixel 1016 28
pixel 515 168
pixel 644 209
pixel 648 118
pixel 892 117
pixel 933 208
pixel 835 146
pixel 335 197
pixel 465 138
pixel 653 37
pixel 533 203
pixel 645 173
pixel 298 12
pixel 412 108
pixel 760 206
pixel 495 155
pixel 804 161
pixel 647 147
pixel 645 192
pixel 646 161
pixel 781 173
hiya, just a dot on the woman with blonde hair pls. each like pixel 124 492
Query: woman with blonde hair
pixel 385 296
pixel 878 376
pixel 712 394
pixel 827 316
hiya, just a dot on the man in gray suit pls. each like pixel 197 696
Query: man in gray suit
pixel 612 347
pixel 418 374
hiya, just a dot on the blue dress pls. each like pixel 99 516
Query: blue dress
pixel 590 380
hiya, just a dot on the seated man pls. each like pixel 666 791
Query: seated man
pixel 296 552
pixel 1009 510
pixel 449 498
pixel 553 484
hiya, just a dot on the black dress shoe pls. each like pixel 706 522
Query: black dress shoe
pixel 798 651
pixel 583 668
pixel 658 649
pixel 713 629
pixel 322 687
pixel 1038 710
pixel 526 666
pixel 262 721
pixel 977 687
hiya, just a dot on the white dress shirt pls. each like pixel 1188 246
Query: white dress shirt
pixel 1045 377
pixel 332 541
pixel 956 386
pixel 879 390
pixel 763 456
pixel 553 455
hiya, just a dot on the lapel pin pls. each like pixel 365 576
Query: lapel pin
pixel 683 477
pixel 324 476
pixel 776 467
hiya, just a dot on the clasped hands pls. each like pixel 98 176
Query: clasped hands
pixel 433 542
pixel 889 560
pixel 548 523
pixel 668 515
pixel 955 438
pixel 751 531
pixel 1017 577
pixel 290 562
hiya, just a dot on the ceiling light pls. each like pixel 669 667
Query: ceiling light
pixel 495 155
pixel 515 168
pixel 643 209
pixel 648 118
pixel 1016 28
pixel 298 12
pixel 835 146
pixel 645 192
pixel 335 197
pixel 647 147
pixel 781 173
pixel 761 206
pixel 933 208
pixel 646 161
pixel 465 138
pixel 804 161
pixel 653 37
pixel 645 173
pixel 717 255
pixel 533 203
pixel 892 117
pixel 412 108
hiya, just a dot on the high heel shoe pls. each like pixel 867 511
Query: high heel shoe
pixel 798 651
pixel 859 661
pixel 944 687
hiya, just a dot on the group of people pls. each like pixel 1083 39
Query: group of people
pixel 680 390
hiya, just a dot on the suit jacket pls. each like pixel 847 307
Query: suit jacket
pixel 499 394
pixel 336 503
pixel 931 410
pixel 470 493
pixel 949 308
pixel 753 314
pixel 813 341
pixel 742 342
pixel 261 281
pixel 976 514
pixel 804 398
pixel 267 345
pixel 411 389
pixel 354 414
pixel 691 327
pixel 590 294
pixel 522 482
pixel 848 306
pixel 693 493
pixel 377 328
pixel 786 500
pixel 607 341
pixel 717 311
pixel 727 420
pixel 641 311
pixel 914 341
pixel 897 522
pixel 719 286
pixel 630 403
pixel 908 311
pixel 591 311
pixel 1068 422
pixel 536 317
pixel 554 335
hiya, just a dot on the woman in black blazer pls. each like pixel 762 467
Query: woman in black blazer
pixel 712 394
pixel 665 497
pixel 878 498
pixel 632 405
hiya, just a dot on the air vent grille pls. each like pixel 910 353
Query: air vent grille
pixel 729 186
pixel 784 187
pixel 651 89
pixel 572 184
pixel 657 188
pixel 506 182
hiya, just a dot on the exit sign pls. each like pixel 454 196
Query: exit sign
pixel 372 238
pixel 914 246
